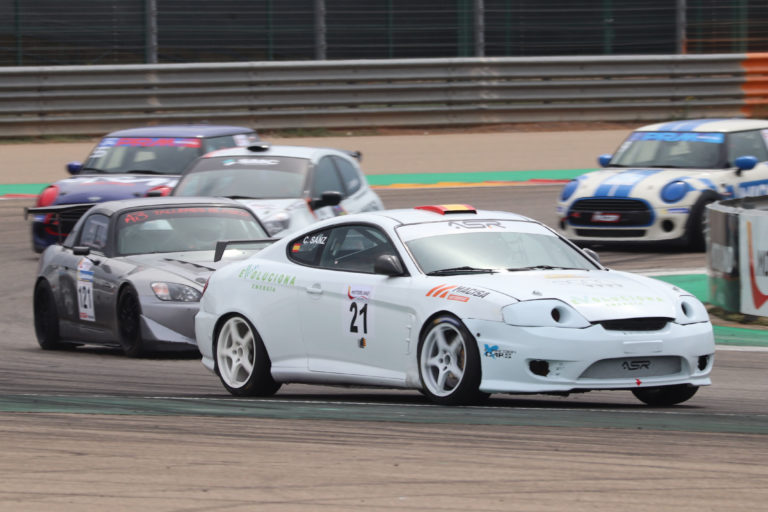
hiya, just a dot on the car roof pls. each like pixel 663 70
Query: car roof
pixel 707 125
pixel 417 215
pixel 306 152
pixel 198 131
pixel 111 207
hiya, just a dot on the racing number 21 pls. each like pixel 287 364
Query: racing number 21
pixel 361 312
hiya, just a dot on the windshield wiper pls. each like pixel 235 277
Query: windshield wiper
pixel 543 267
pixel 241 197
pixel 461 270
pixel 93 169
pixel 143 171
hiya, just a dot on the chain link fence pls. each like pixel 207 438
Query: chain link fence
pixel 51 32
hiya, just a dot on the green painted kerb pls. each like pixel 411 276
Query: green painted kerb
pixel 25 189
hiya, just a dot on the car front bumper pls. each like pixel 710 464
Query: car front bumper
pixel 556 360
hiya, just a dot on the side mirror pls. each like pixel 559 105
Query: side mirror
pixel 329 198
pixel 389 265
pixel 81 250
pixel 604 160
pixel 745 163
pixel 74 167
pixel 592 254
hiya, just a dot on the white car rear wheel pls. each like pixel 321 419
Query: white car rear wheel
pixel 242 361
pixel 449 363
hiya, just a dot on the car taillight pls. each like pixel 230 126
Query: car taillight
pixel 48 195
pixel 161 191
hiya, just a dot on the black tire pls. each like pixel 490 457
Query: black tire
pixel 665 396
pixel 129 323
pixel 449 363
pixel 242 361
pixel 696 227
pixel 46 318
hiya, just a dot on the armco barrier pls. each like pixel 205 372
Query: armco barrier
pixel 737 255
pixel 397 92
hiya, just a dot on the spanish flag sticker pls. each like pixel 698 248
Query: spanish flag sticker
pixel 296 247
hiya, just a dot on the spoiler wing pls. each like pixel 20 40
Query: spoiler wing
pixel 222 245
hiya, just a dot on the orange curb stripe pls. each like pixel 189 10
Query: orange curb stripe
pixel 755 86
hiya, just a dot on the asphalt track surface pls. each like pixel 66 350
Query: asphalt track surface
pixel 89 429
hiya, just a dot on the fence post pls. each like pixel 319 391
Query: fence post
pixel 479 28
pixel 150 29
pixel 320 30
pixel 680 28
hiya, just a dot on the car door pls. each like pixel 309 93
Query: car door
pixel 752 182
pixel 358 197
pixel 325 178
pixel 87 287
pixel 357 325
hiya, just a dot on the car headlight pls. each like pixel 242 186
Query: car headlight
pixel 569 189
pixel 175 292
pixel 543 313
pixel 674 191
pixel 276 222
pixel 690 310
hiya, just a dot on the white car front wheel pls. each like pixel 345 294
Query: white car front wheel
pixel 242 362
pixel 449 363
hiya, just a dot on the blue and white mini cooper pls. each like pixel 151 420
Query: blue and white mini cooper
pixel 657 184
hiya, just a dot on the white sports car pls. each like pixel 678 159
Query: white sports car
pixel 657 184
pixel 287 187
pixel 451 301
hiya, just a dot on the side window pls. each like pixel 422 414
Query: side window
pixel 325 178
pixel 94 232
pixel 746 143
pixel 354 248
pixel 349 175
pixel 306 250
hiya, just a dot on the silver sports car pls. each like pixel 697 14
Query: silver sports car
pixel 131 272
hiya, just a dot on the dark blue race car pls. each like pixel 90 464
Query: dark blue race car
pixel 131 163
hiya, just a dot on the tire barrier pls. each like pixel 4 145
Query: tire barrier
pixel 737 255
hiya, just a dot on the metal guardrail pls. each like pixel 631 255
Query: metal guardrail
pixel 364 93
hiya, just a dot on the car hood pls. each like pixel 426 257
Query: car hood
pixel 597 295
pixel 194 266
pixel 638 182
pixel 96 188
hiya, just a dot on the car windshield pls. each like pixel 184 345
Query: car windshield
pixel 154 155
pixel 692 150
pixel 456 247
pixel 181 229
pixel 245 177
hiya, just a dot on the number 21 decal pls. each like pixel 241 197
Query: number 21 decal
pixel 358 313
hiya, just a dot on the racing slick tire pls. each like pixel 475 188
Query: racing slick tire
pixel 242 362
pixel 129 323
pixel 46 318
pixel 697 226
pixel 449 363
pixel 665 396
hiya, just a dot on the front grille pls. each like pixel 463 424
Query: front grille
pixel 610 212
pixel 636 324
pixel 633 368
pixel 611 233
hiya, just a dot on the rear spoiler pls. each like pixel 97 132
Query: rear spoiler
pixel 70 213
pixel 77 209
pixel 222 245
